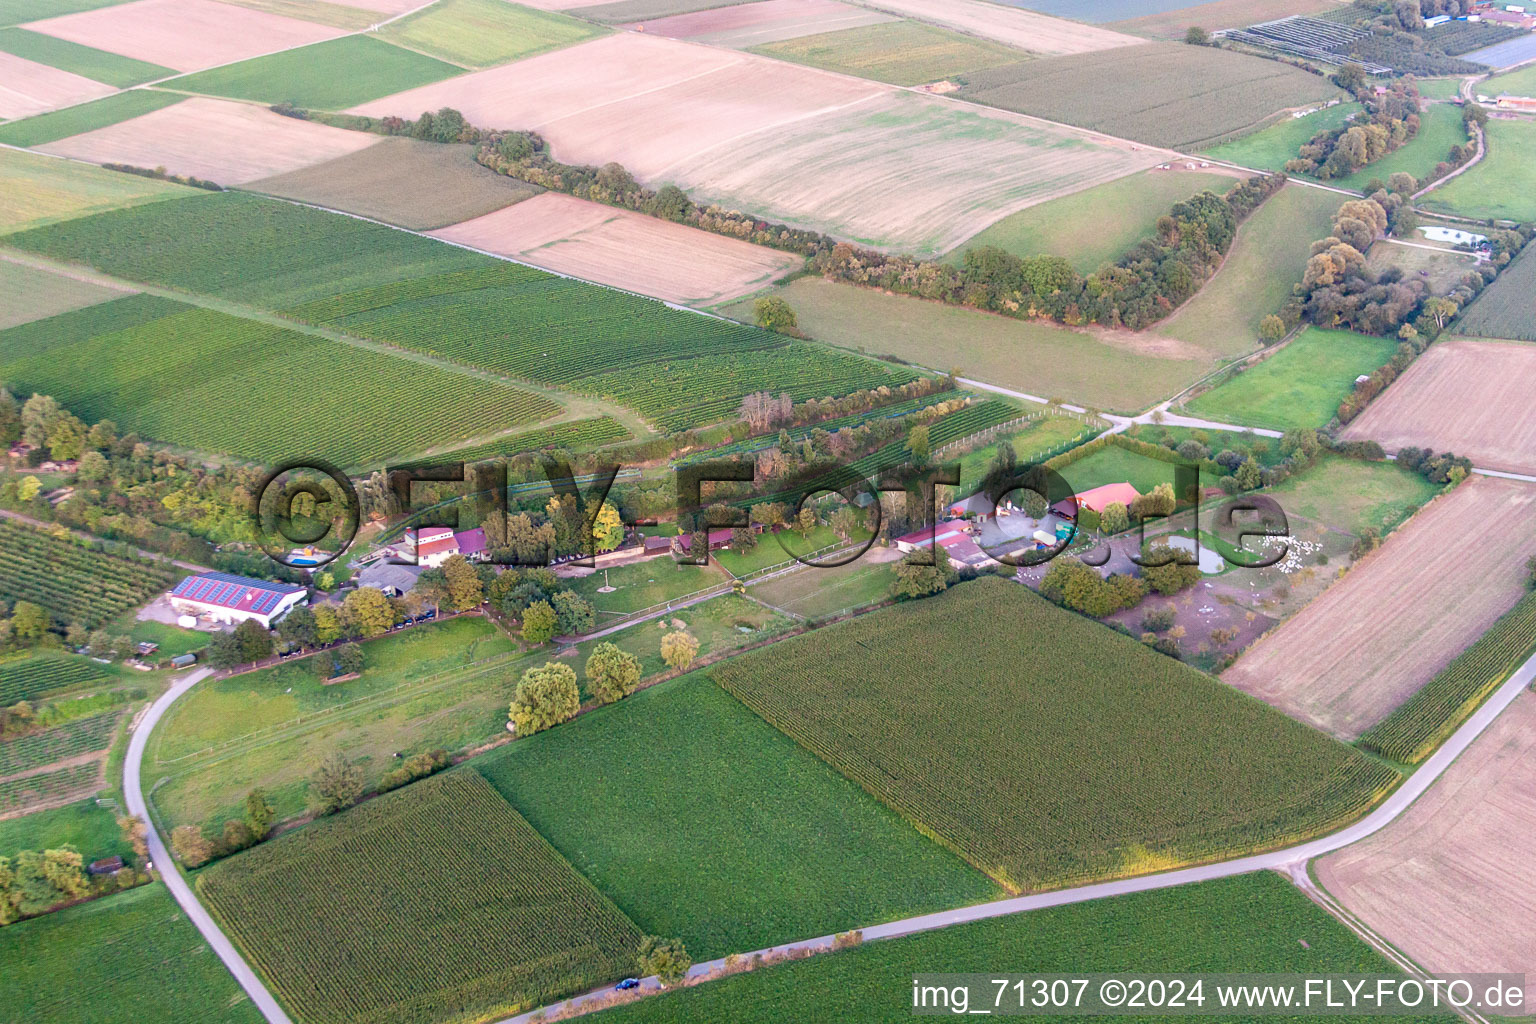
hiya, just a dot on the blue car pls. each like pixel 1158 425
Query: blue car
pixel 627 984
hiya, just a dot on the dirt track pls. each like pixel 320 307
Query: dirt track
pixel 1401 614
pixel 1450 882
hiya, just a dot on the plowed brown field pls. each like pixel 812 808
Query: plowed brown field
pixel 27 87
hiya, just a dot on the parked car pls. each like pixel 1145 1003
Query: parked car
pixel 627 984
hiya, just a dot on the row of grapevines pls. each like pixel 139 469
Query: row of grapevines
pixel 76 584
pixel 26 678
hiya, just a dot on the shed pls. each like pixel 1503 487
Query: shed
pixel 184 660
pixel 105 866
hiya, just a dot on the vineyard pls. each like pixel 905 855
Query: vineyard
pixel 74 583
pixel 1413 731
pixel 578 435
pixel 83 736
pixel 1045 749
pixel 437 902
pixel 207 380
pixel 57 787
pixel 1503 310
pixel 29 678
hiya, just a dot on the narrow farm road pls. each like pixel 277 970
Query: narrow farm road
pixel 1291 860
pixel 134 796
pixel 1481 137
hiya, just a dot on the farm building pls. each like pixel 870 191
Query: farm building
pixel 720 537
pixel 224 597
pixel 434 545
pixel 978 505
pixel 1097 499
pixel 392 578
pixel 1455 236
pixel 657 545
pixel 955 540
pixel 1521 104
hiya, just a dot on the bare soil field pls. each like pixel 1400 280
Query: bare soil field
pixel 1449 882
pixel 768 21
pixel 625 249
pixel 390 8
pixel 447 185
pixel 229 143
pixel 1037 33
pixel 1469 397
pixel 1219 14
pixel 1401 614
pixel 27 87
pixel 187 35
pixel 855 159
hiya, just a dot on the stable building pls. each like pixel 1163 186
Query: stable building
pixel 225 597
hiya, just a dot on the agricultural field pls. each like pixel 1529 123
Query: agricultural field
pixel 1098 225
pixel 1037 442
pixel 19 11
pixel 87 826
pixel 34 131
pixel 71 740
pixel 1470 397
pixel 1173 22
pixel 30 293
pixel 353 15
pixel 1301 385
pixel 40 191
pixel 1515 83
pixel 97 65
pixel 446 184
pixel 1384 649
pixel 1503 310
pixel 1105 370
pixel 216 140
pixel 789 849
pixel 1502 185
pixel 1256 922
pixel 484 33
pixel 214 382
pixel 576 435
pixel 1440 269
pixel 815 593
pixel 1517 50
pixel 1440 128
pixel 1445 882
pixel 132 956
pixel 958 760
pixel 28 677
pixel 41 88
pixel 628 10
pixel 1353 496
pixel 1015 27
pixel 186 35
pixel 331 75
pixel 766 21
pixel 1162 94
pixel 51 788
pixel 1256 278
pixel 75 584
pixel 898 52
pixel 526 927
pixel 625 249
pixel 822 151
pixel 1270 148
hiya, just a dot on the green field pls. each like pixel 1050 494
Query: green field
pixel 1252 923
pixel 1256 278
pixel 771 550
pixel 484 33
pixel 15 12
pixel 1521 82
pixel 1440 128
pixel 643 584
pixel 203 379
pixel 644 10
pixel 446 184
pixel 31 293
pixel 576 435
pixel 815 592
pixel 1301 385
pixel 27 677
pixel 674 367
pixel 74 583
pixel 1270 148
pixel 1163 94
pixel 332 75
pixel 1502 185
pixel 80 736
pixel 466 913
pixel 173 640
pixel 1034 356
pixel 1440 88
pixel 86 61
pixel 109 110
pixel 1504 310
pixel 1093 758
pixel 1350 495
pixel 1035 443
pixel 1098 225
pixel 37 190
pixel 86 826
pixel 133 956
pixel 788 849
pixel 898 52
pixel 1114 465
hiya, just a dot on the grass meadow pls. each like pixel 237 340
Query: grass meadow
pixel 1351 495
pixel 787 849
pixel 39 190
pixel 1301 385
pixel 132 956
pixel 898 52
pixel 1502 185
pixel 332 75
pixel 88 827
pixel 1440 128
pixel 814 592
pixel 1113 465
pixel 31 293
pixel 484 33
pixel 1269 148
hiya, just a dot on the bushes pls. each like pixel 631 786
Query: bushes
pixel 417 766
pixel 1072 584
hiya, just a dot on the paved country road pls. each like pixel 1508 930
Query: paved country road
pixel 133 793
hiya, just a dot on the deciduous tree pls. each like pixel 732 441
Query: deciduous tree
pixel 546 695
pixel 334 785
pixel 612 673
pixel 679 648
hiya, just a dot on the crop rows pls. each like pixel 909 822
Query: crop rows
pixel 74 583
pixel 207 380
pixel 81 736
pixel 578 435
pixel 32 677
pixel 691 393
pixel 62 786
pixel 1044 749
pixel 1419 725
pixel 1503 310
pixel 467 913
